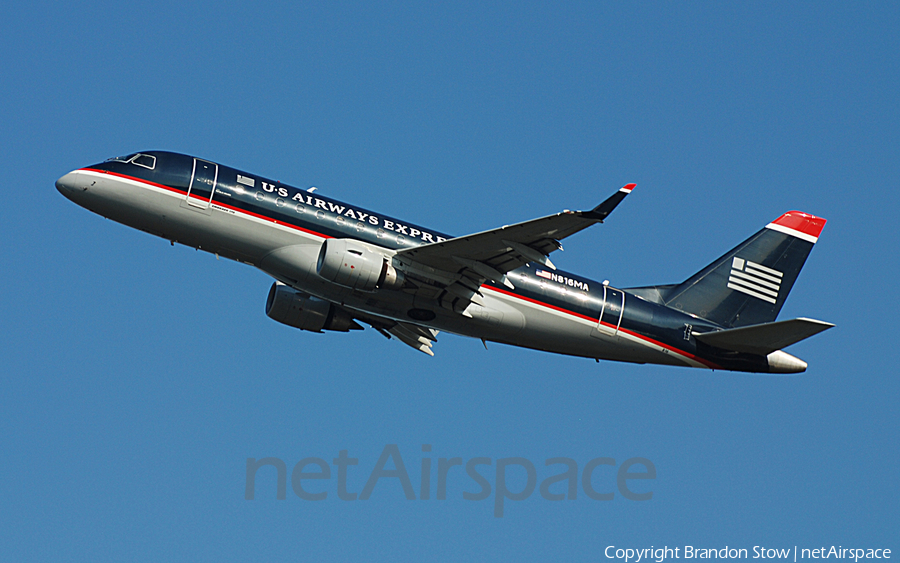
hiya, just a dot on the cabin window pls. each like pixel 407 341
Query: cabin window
pixel 145 160
pixel 299 208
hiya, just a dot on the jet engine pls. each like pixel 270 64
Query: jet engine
pixel 353 264
pixel 305 312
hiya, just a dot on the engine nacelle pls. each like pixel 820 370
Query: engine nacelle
pixel 305 312
pixel 353 264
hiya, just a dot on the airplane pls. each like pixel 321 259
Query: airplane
pixel 336 265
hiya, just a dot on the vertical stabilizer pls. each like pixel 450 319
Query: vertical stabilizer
pixel 749 284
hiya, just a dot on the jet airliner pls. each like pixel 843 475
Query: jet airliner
pixel 336 265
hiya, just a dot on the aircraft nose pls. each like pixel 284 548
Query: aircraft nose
pixel 67 184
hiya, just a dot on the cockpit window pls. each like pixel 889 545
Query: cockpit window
pixel 145 160
pixel 122 158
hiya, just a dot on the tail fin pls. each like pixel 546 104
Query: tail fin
pixel 749 284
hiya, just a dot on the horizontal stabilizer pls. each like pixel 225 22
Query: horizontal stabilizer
pixel 764 338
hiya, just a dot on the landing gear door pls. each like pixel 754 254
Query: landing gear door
pixel 611 311
pixel 203 184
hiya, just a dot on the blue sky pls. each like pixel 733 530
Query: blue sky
pixel 138 378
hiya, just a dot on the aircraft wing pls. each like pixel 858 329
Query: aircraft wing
pixel 457 267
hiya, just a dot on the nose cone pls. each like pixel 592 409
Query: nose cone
pixel 67 184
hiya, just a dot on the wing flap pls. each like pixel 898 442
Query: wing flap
pixel 415 336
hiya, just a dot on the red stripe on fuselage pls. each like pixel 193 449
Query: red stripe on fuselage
pixel 541 303
pixel 211 202
pixel 678 351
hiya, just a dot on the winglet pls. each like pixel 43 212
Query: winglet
pixel 603 210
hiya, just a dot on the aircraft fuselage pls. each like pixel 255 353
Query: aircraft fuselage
pixel 280 229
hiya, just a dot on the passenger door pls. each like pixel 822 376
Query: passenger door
pixel 611 311
pixel 203 183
